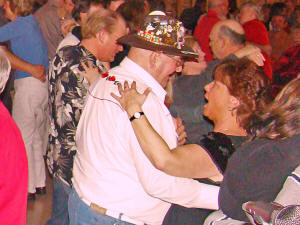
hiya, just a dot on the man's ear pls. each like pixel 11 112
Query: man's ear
pixel 154 57
pixel 102 36
pixel 223 41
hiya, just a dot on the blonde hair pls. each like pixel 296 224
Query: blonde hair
pixel 102 19
pixel 21 7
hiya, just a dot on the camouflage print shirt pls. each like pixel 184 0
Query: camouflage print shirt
pixel 67 92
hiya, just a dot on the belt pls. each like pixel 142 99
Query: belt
pixel 116 215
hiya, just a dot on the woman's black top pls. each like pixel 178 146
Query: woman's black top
pixel 220 147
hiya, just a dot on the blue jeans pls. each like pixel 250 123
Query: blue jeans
pixel 81 214
pixel 59 215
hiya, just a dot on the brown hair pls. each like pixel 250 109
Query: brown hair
pixel 248 83
pixel 134 13
pixel 102 19
pixel 281 119
pixel 21 7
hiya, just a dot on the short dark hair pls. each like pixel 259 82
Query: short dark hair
pixel 234 37
pixel 82 6
pixel 277 8
pixel 156 5
pixel 133 11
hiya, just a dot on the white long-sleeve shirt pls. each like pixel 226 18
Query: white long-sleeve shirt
pixel 110 168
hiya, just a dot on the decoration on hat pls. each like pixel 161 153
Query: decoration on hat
pixel 163 30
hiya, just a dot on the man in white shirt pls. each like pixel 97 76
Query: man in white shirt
pixel 114 182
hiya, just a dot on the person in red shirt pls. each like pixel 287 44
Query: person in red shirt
pixel 217 10
pixel 256 32
pixel 13 162
pixel 287 67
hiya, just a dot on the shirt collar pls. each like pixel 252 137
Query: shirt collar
pixel 137 73
pixel 212 12
pixel 251 21
pixel 90 57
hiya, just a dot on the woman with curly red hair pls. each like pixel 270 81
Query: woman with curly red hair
pixel 240 89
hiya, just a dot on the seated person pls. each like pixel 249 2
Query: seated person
pixel 13 162
pixel 232 99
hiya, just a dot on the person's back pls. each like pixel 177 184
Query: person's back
pixel 188 103
pixel 257 172
pixel 27 42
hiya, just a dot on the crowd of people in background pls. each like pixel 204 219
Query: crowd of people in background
pixel 146 115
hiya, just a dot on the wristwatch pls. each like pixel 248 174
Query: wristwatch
pixel 136 115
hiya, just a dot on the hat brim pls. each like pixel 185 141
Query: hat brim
pixel 136 41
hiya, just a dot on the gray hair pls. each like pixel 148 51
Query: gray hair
pixel 5 68
pixel 256 8
pixel 235 37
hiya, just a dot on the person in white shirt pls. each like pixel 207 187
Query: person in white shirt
pixel 113 180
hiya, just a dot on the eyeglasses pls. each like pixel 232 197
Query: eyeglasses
pixel 179 61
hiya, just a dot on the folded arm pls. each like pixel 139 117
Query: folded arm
pixel 37 71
